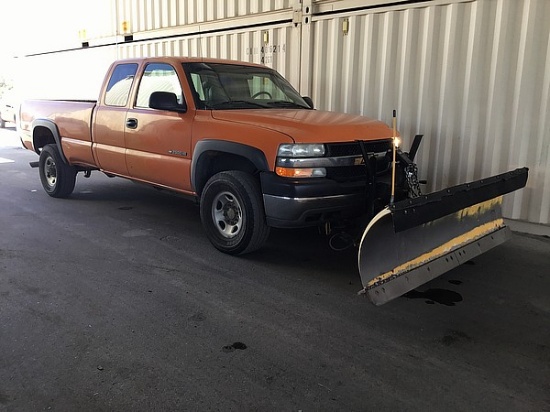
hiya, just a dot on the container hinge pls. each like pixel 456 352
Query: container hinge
pixel 297 17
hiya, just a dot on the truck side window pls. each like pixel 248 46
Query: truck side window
pixel 120 84
pixel 158 77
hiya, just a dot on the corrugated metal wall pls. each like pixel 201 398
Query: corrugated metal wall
pixel 472 75
pixel 146 15
pixel 276 46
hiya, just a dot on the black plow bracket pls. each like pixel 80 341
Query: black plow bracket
pixel 415 145
pixel 414 212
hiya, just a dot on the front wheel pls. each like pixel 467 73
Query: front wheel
pixel 232 213
pixel 57 177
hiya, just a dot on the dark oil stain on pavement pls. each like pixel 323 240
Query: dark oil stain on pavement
pixel 233 347
pixel 442 296
pixel 454 336
pixel 197 317
pixel 125 208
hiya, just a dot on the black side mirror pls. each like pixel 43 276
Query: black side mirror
pixel 166 101
pixel 308 100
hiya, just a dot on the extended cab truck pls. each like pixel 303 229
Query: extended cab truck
pixel 235 135
pixel 257 155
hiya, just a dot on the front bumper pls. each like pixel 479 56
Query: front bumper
pixel 297 203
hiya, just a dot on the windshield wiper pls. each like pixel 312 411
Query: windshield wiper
pixel 236 104
pixel 285 103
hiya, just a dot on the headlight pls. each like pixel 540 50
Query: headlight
pixel 300 160
pixel 301 150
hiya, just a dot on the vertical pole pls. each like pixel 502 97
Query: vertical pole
pixel 394 149
pixel 303 12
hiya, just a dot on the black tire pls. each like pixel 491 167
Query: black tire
pixel 232 213
pixel 2 123
pixel 57 177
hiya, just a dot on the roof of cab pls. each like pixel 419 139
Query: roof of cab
pixel 179 59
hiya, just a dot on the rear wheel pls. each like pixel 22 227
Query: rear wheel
pixel 232 213
pixel 58 178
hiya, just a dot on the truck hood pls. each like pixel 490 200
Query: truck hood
pixel 310 126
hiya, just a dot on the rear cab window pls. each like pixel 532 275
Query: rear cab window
pixel 120 84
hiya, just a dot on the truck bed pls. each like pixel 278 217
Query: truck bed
pixel 71 118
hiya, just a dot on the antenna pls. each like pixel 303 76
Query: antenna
pixel 395 143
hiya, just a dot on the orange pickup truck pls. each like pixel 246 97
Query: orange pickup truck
pixel 255 154
pixel 235 135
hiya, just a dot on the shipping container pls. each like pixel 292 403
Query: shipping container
pixel 472 76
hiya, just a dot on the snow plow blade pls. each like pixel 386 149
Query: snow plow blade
pixel 415 240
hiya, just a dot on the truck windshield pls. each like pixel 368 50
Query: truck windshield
pixel 220 86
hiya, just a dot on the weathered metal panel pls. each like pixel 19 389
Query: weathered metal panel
pixel 147 15
pixel 62 73
pixel 276 46
pixel 474 77
pixel 328 6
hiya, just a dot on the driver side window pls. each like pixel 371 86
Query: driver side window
pixel 158 77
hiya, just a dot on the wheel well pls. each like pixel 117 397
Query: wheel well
pixel 212 162
pixel 41 137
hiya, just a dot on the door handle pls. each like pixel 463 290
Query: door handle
pixel 131 123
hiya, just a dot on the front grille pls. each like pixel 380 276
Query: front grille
pixel 343 149
pixel 347 173
pixel 353 148
pixel 357 172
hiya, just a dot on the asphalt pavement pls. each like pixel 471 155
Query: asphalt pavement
pixel 114 300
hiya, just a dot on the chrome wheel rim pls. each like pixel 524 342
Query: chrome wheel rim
pixel 50 172
pixel 227 214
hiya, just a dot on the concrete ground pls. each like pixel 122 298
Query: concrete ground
pixel 114 300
